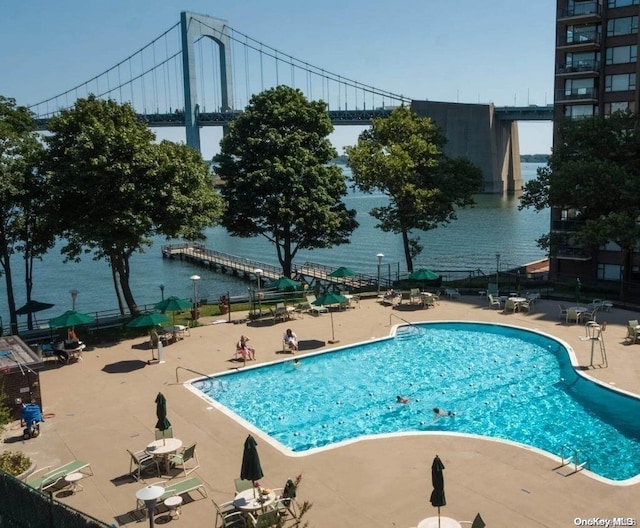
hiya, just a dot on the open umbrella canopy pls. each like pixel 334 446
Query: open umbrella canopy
pixel 148 319
pixel 437 479
pixel 330 298
pixel 33 307
pixel 163 422
pixel 251 468
pixel 70 318
pixel 283 283
pixel 342 272
pixel 173 304
pixel 424 274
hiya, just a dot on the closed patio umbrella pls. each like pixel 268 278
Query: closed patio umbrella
pixel 163 422
pixel 327 300
pixel 251 468
pixel 437 479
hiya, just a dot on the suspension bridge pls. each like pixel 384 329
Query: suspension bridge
pixel 202 72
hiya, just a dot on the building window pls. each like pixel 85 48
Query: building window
pixel 622 54
pixel 620 83
pixel 578 34
pixel 579 111
pixel 611 272
pixel 622 26
pixel 622 3
pixel 578 87
pixel 622 106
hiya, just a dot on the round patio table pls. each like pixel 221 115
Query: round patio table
pixel 445 522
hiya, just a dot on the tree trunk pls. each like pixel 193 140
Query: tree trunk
pixel 407 250
pixel 28 279
pixel 121 264
pixel 11 302
pixel 116 286
pixel 626 274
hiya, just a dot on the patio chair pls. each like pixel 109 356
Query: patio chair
pixel 510 306
pixel 141 461
pixel 494 301
pixel 527 305
pixel 573 316
pixel 563 311
pixel 452 293
pixel 476 523
pixel 167 433
pixel 227 516
pixel 181 459
pixel 590 316
pixel 414 296
pixel 286 501
pixel 264 519
pixel 242 485
pixel 50 477
pixel 632 331
pixel 492 289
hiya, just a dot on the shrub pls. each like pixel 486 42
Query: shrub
pixel 14 463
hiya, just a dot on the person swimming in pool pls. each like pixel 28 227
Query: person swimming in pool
pixel 402 399
pixel 439 413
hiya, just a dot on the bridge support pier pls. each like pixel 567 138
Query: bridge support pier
pixel 473 131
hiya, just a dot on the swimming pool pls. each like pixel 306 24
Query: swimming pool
pixel 501 381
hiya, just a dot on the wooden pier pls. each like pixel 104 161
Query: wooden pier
pixel 308 273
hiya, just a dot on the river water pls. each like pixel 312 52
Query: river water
pixel 493 226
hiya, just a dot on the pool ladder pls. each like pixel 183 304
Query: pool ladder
pixel 570 455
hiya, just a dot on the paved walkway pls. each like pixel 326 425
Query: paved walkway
pixel 105 404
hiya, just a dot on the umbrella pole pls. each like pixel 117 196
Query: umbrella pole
pixel 333 334
pixel 438 516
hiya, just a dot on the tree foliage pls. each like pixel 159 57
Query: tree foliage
pixel 277 181
pixel 593 172
pixel 23 197
pixel 401 156
pixel 115 187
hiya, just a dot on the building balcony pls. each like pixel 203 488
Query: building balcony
pixel 578 95
pixel 566 226
pixel 586 40
pixel 581 11
pixel 572 253
pixel 588 66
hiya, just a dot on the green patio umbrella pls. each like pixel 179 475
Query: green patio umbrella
pixel 70 318
pixel 148 319
pixel 282 283
pixel 342 272
pixel 251 468
pixel 163 422
pixel 327 300
pixel 424 274
pixel 173 304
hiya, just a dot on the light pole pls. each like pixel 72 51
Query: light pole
pixel 258 273
pixel 497 271
pixel 380 257
pixel 149 495
pixel 195 279
pixel 162 291
pixel 74 296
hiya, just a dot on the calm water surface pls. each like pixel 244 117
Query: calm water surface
pixel 493 226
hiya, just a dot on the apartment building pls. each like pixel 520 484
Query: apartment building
pixel 596 74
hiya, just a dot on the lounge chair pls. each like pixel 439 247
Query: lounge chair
pixel 181 459
pixel 50 477
pixel 313 308
pixel 452 293
pixel 176 488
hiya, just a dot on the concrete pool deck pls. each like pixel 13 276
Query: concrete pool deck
pixel 104 405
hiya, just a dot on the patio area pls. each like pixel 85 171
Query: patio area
pixel 104 405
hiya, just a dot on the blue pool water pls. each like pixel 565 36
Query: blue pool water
pixel 501 381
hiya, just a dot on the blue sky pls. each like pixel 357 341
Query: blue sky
pixel 499 51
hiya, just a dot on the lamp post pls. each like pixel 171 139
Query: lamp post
pixel 380 257
pixel 162 291
pixel 195 279
pixel 74 296
pixel 149 495
pixel 258 273
pixel 497 271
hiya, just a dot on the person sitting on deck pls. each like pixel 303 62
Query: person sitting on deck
pixel 290 340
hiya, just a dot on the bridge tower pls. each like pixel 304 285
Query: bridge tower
pixel 475 132
pixel 194 26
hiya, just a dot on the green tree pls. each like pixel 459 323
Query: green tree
pixel 115 187
pixel 277 181
pixel 23 198
pixel 593 172
pixel 401 156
